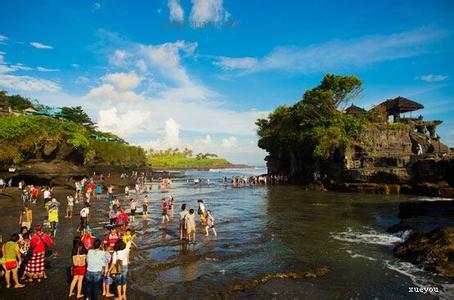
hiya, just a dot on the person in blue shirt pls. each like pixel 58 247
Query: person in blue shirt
pixel 96 261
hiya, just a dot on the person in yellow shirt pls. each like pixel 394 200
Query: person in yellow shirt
pixel 26 217
pixel 53 220
pixel 11 261
pixel 129 237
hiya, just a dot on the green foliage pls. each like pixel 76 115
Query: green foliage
pixel 176 158
pixel 77 115
pixel 117 153
pixel 315 122
pixel 16 102
pixel 22 136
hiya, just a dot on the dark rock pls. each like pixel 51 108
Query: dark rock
pixel 426 208
pixel 434 251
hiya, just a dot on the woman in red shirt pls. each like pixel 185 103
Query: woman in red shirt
pixel 38 243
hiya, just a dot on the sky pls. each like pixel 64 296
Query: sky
pixel 198 73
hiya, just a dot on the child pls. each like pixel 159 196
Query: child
pixel 70 206
pixel 145 203
pixel 107 279
pixel 129 237
pixel 190 225
pixel 210 223
pixel 165 217
pixel 132 206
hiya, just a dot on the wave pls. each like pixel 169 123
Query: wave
pixel 434 199
pixel 371 237
pixel 426 282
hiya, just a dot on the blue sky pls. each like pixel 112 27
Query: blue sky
pixel 197 73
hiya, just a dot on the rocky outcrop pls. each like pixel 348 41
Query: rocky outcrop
pixel 384 160
pixel 434 251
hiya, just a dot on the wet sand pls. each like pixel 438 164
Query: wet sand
pixel 57 285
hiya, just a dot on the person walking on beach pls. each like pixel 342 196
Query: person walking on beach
pixel 98 191
pixel 69 206
pixel 34 192
pixel 119 267
pixel 11 261
pixel 113 214
pixel 126 191
pixel 210 224
pixel 79 268
pixel 84 212
pixel 96 262
pixel 26 217
pixel 107 279
pixel 190 225
pixel 38 243
pixel 133 206
pixel 145 203
pixel 165 207
pixel 53 220
pixel 183 229
pixel 25 198
pixel 110 192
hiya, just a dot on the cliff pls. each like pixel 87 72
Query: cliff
pixel 379 151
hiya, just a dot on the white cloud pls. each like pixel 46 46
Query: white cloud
pixel 43 69
pixel 228 63
pixel 118 58
pixel 108 93
pixel 142 65
pixel 175 10
pixel 205 12
pixel 27 83
pixel 3 39
pixel 166 57
pixel 123 81
pixel 131 122
pixel 230 142
pixel 172 135
pixel 337 54
pixel 433 78
pixel 39 45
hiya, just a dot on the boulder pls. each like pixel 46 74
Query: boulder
pixel 434 251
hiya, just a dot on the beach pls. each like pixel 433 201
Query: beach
pixel 273 241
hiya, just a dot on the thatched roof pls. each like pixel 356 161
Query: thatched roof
pixel 353 109
pixel 400 105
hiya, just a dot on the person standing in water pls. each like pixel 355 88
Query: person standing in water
pixel 210 224
pixel 145 203
pixel 171 207
pixel 165 217
pixel 183 229
pixel 201 212
pixel 132 206
pixel 190 225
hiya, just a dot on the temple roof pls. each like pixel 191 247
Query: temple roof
pixel 353 109
pixel 400 105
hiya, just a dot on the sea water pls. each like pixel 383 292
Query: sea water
pixel 278 229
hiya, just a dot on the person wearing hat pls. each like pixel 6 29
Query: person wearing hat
pixel 38 243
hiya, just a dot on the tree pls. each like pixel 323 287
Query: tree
pixel 77 115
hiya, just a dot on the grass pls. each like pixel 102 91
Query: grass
pixel 182 162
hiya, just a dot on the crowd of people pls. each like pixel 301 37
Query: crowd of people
pixel 98 263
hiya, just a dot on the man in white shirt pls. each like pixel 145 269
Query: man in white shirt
pixel 84 216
